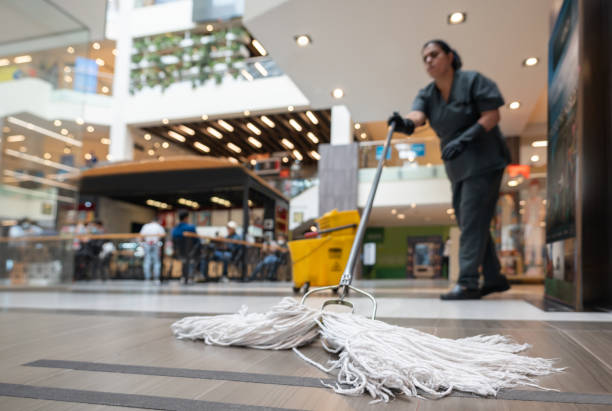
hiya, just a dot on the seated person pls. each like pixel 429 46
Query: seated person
pixel 272 251
pixel 183 245
pixel 224 252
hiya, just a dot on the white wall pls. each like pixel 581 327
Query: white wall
pixel 306 202
pixel 118 216
pixel 403 193
pixel 15 206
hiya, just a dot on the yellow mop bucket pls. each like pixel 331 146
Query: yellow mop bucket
pixel 321 261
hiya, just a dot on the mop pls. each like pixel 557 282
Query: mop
pixel 373 357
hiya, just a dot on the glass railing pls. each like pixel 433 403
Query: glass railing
pixel 148 3
pixel 408 159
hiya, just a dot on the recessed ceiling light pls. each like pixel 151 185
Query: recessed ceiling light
pixel 295 125
pixel 201 147
pixel 79 121
pixel 176 136
pixel 450 211
pixel 96 45
pixel 64 132
pixel 165 121
pixel 285 159
pixel 151 152
pixel 246 112
pixel 16 138
pixel 99 62
pixel 57 123
pixel 68 79
pixel 312 137
pixel 90 129
pixel 535 158
pixel 302 40
pixel 70 50
pixel 530 61
pixel 147 136
pixel 357 126
pixel 401 216
pixel 225 125
pixel 105 141
pixel 364 135
pixel 246 75
pixel 514 105
pixel 204 117
pixel 267 121
pixel 393 211
pixel 413 205
pixel 210 27
pixel 262 70
pixel 298 155
pixel 457 17
pixel 253 162
pixel 315 155
pixel 233 160
pixel 105 89
pixel 287 144
pixel 67 150
pixel 513 183
pixel 259 47
pixel 214 132
pixel 290 108
pixel 4 62
pixel 313 119
pixel 539 143
pixel 337 93
pixel 186 129
pixel 254 142
pixel 87 156
pixel 165 144
pixel 67 69
pixel 115 52
pixel 234 147
pixel 22 59
pixel 253 128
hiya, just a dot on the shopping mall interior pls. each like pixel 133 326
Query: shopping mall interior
pixel 163 159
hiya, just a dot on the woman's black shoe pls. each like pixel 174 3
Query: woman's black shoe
pixel 461 293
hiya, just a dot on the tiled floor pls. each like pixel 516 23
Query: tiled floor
pixel 121 324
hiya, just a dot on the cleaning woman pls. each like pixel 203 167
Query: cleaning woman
pixel 463 109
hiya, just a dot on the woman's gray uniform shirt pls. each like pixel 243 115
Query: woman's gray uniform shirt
pixel 471 94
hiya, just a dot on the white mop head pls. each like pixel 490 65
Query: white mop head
pixel 374 357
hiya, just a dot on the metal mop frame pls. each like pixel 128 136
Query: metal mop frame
pixel 347 276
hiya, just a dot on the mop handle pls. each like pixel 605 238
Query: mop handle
pixel 347 275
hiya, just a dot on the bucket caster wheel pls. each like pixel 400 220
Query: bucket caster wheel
pixel 305 287
pixel 296 290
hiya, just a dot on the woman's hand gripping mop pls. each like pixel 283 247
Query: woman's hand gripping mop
pixel 374 357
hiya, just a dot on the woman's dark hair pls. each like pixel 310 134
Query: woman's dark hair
pixel 447 49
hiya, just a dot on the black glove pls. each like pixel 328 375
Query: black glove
pixel 402 125
pixel 456 146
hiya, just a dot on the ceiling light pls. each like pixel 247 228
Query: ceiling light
pixel 253 128
pixel 290 108
pixel 285 159
pixel 246 75
pixel 267 121
pixel 16 138
pixel 233 160
pixel 176 136
pixel 312 137
pixel 57 123
pixel 67 150
pixel 357 126
pixel 157 204
pixel 302 40
pixel 337 93
pixel 165 144
pixel 297 155
pixel 210 27
pixel 401 216
pixel 165 121
pixel 522 202
pixel 287 144
pixel 253 162
pixel 4 62
pixel 64 132
pixel 90 129
pixel 47 156
pixel 246 112
pixel 105 141
pixel 105 89
pixel 295 125
pixel 254 142
pixel 450 211
pixel 68 79
pixel 393 211
pixel 413 205
pixel 186 129
pixel 313 119
pixel 539 143
pixel 535 158
pixel 225 125
pixel 22 59
pixel 157 145
pixel 70 50
pixel 67 69
pixel 96 46
pixel 531 61
pixel 234 147
pixel 259 47
pixel 99 62
pixel 515 105
pixel 315 155
pixel 201 147
pixel 363 135
pixel 79 121
pixel 513 183
pixel 262 70
pixel 115 52
pixel 87 156
pixel 204 117
pixel 147 136
pixel 151 152
pixel 44 131
pixel 456 17
pixel 214 132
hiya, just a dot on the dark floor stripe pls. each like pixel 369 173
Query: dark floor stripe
pixel 181 372
pixel 517 395
pixel 122 400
